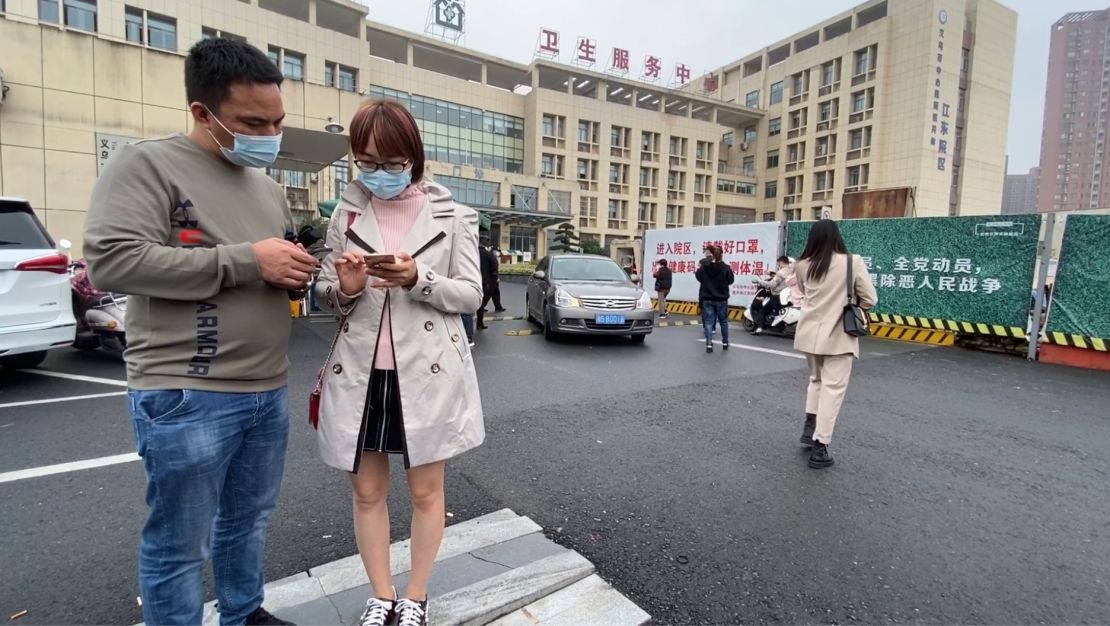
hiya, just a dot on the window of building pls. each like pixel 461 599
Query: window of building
pixel 823 181
pixel 862 61
pixel 796 152
pixel 79 14
pixel 748 167
pixel 797 119
pixel 523 198
pixel 646 214
pixel 212 33
pixel 554 126
pixel 776 93
pixel 774 126
pixel 701 216
pixel 348 78
pixel 857 175
pixel 794 185
pixel 828 73
pixel 750 134
pixel 797 84
pixel 133 25
pixel 547 166
pixel 495 140
pixel 342 172
pixel 859 101
pixel 157 32
pixel 523 239
pixel 965 61
pixel 619 137
pixel 558 202
pixel 674 216
pixel 288 178
pixel 291 63
pixel 587 132
pixel 825 111
pixel 752 99
pixel 771 189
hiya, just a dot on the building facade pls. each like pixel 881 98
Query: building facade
pixel 894 93
pixel 1019 194
pixel 1073 146
pixel 845 106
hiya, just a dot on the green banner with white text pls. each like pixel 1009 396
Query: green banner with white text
pixel 1081 293
pixel 965 269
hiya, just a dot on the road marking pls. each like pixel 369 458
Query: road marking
pixel 64 399
pixel 62 468
pixel 87 379
pixel 793 355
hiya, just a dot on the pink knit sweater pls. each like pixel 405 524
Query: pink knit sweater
pixel 395 219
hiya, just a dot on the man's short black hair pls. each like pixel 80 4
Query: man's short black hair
pixel 663 262
pixel 784 259
pixel 213 65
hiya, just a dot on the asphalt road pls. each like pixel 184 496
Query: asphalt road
pixel 969 488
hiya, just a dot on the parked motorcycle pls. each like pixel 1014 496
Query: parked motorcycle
pixel 100 315
pixel 785 321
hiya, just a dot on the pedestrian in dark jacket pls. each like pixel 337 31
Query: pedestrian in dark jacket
pixel 490 280
pixel 715 278
pixel 663 280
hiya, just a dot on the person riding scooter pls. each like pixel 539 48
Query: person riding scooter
pixel 775 284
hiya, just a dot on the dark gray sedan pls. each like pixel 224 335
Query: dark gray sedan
pixel 588 295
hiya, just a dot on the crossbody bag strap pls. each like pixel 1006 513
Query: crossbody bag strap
pixel 851 291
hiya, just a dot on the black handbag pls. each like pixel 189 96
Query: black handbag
pixel 856 323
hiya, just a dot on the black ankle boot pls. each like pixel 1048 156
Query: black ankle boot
pixel 807 430
pixel 820 457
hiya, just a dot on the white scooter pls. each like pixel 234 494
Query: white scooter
pixel 100 316
pixel 783 324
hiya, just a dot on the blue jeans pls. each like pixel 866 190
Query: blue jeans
pixel 214 463
pixel 713 312
pixel 468 326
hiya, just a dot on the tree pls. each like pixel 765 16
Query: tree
pixel 590 245
pixel 566 240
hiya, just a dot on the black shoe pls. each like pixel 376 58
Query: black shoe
pixel 709 348
pixel 820 457
pixel 725 346
pixel 411 612
pixel 483 327
pixel 500 310
pixel 807 430
pixel 262 617
pixel 378 612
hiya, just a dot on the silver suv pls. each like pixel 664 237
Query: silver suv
pixel 588 295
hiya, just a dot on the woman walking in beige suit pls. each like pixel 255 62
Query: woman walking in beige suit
pixel 823 278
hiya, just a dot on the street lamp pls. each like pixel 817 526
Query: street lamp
pixel 333 127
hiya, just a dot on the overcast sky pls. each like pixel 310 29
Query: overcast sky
pixel 705 34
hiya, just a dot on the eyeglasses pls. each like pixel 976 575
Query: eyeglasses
pixel 373 166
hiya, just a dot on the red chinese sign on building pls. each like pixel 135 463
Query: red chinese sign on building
pixel 681 74
pixel 620 60
pixel 653 65
pixel 587 51
pixel 711 83
pixel 548 44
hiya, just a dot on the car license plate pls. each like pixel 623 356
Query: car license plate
pixel 609 320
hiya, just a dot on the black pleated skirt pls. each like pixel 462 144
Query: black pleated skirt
pixel 382 421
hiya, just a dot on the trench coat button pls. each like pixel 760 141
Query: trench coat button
pixel 427 291
pixel 428 326
pixel 435 368
pixel 455 338
pixel 328 291
pixel 346 326
pixel 430 276
pixel 337 368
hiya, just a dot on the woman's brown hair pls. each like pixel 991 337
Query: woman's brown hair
pixel 394 131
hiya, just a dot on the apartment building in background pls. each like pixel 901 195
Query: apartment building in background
pixel 1019 193
pixel 1077 96
pixel 891 94
pixel 845 106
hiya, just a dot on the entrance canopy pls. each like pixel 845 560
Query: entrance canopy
pixel 522 218
pixel 310 151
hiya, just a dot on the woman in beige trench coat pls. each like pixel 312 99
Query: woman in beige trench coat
pixel 401 379
pixel 822 277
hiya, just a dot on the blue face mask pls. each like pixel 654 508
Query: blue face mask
pixel 250 150
pixel 386 185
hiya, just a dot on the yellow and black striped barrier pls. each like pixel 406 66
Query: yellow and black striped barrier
pixel 916 335
pixel 692 308
pixel 1077 341
pixel 968 328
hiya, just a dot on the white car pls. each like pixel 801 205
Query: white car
pixel 36 306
